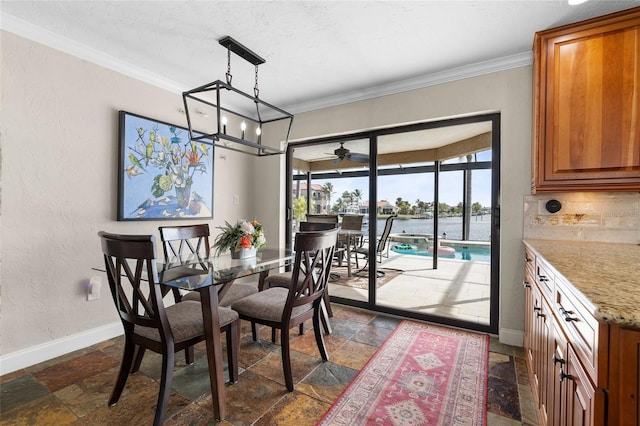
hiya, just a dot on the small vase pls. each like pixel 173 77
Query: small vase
pixel 183 195
pixel 243 253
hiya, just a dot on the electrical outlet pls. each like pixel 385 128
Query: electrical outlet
pixel 236 199
pixel 93 292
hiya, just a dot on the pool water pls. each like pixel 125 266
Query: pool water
pixel 480 254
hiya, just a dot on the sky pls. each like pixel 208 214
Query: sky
pixel 420 186
pixel 414 187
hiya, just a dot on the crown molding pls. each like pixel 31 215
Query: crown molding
pixel 48 38
pixel 467 71
pixel 55 41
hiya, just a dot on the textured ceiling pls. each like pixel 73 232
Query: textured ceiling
pixel 318 52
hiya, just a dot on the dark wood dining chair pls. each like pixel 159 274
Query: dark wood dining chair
pixel 178 241
pixel 284 308
pixel 130 262
pixel 284 279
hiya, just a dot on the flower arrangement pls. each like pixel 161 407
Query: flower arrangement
pixel 244 234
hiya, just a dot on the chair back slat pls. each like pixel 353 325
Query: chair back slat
pixel 314 251
pixel 133 280
pixel 178 241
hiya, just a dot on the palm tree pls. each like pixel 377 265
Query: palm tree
pixel 327 191
pixel 357 197
pixel 346 200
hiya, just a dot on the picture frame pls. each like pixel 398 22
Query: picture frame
pixel 162 174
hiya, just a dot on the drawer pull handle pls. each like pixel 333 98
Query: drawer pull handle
pixel 564 375
pixel 558 360
pixel 540 315
pixel 525 284
pixel 563 311
pixel 528 259
pixel 566 314
pixel 537 308
pixel 543 278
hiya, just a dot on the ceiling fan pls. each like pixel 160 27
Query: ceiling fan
pixel 343 153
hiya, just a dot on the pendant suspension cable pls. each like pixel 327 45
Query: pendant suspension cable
pixel 228 74
pixel 256 91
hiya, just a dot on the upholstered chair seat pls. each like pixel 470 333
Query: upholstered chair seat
pixel 186 321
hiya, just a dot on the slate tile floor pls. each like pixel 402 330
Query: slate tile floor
pixel 74 389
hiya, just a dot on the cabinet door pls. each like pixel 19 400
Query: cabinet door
pixel 528 314
pixel 588 106
pixel 545 319
pixel 580 392
pixel 541 356
pixel 557 387
pixel 624 361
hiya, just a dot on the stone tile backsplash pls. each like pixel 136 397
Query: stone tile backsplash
pixel 612 217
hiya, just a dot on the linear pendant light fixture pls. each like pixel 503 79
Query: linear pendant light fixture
pixel 221 115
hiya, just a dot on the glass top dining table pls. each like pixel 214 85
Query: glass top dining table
pixel 193 272
pixel 212 277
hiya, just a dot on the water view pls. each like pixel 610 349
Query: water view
pixel 480 229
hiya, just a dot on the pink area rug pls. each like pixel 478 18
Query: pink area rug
pixel 422 375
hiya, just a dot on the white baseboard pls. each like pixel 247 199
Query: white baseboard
pixel 46 351
pixel 512 337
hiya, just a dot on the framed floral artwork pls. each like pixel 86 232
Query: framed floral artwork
pixel 162 174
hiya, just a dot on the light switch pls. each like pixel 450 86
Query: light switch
pixel 236 199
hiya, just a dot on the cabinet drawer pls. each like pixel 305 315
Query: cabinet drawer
pixel 529 261
pixel 581 327
pixel 545 278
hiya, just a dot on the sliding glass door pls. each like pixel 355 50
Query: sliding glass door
pixel 428 193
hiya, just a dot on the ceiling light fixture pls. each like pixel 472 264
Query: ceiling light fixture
pixel 251 124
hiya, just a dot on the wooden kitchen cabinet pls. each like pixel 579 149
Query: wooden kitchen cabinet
pixel 557 387
pixel 587 105
pixel 582 371
pixel 625 371
pixel 579 394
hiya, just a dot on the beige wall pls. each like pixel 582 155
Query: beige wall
pixel 59 159
pixel 507 92
pixel 59 140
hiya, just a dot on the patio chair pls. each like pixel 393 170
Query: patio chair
pixel 350 222
pixel 381 245
pixel 284 308
pixel 130 262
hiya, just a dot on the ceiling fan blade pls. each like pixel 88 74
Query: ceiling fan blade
pixel 358 158
pixel 337 160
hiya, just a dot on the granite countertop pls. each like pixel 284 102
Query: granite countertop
pixel 607 274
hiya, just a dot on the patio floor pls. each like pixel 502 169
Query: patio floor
pixel 457 289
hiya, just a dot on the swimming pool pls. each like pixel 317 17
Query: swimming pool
pixel 477 253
